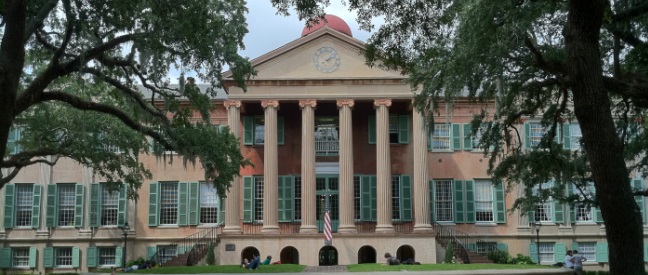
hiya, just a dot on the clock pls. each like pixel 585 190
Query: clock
pixel 326 60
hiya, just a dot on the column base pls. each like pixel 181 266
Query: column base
pixel 385 228
pixel 308 229
pixel 423 228
pixel 232 230
pixel 42 234
pixel 270 229
pixel 347 229
pixel 85 233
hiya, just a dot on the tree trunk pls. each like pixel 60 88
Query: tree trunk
pixel 603 146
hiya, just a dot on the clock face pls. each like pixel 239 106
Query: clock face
pixel 326 60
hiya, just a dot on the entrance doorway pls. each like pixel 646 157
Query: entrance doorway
pixel 327 188
pixel 405 252
pixel 289 255
pixel 249 253
pixel 367 255
pixel 328 256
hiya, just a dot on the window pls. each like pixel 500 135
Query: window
pixel 393 129
pixel 66 196
pixel 63 256
pixel 106 256
pixel 475 139
pixel 547 253
pixel 327 137
pixel 588 250
pixel 356 198
pixel 109 204
pixel 544 210
pixel 536 131
pixel 483 201
pixel 575 136
pixel 443 200
pixel 396 197
pixel 486 247
pixel 166 253
pixel 584 211
pixel 208 203
pixel 12 143
pixel 258 199
pixel 298 199
pixel 168 203
pixel 24 200
pixel 259 130
pixel 20 257
pixel 441 137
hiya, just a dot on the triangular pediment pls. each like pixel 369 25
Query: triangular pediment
pixel 306 59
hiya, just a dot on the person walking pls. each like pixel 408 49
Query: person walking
pixel 577 260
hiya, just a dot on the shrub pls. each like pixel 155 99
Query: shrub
pixel 211 258
pixel 449 254
pixel 499 257
pixel 139 261
pixel 523 259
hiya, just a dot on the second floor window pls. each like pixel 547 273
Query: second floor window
pixel 109 204
pixel 66 196
pixel 169 203
pixel 24 202
pixel 209 203
pixel 327 136
pixel 258 199
pixel 443 200
pixel 483 201
pixel 441 138
pixel 396 196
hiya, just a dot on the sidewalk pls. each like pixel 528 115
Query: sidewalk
pixel 560 271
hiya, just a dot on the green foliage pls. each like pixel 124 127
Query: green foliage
pixel 502 257
pixel 449 254
pixel 211 258
pixel 139 261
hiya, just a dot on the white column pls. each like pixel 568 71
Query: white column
pixel 308 167
pixel 421 186
pixel 270 169
pixel 347 224
pixel 233 200
pixel 383 167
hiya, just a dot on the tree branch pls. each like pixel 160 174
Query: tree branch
pixel 37 20
pixel 22 158
pixel 631 13
pixel 541 62
pixel 4 180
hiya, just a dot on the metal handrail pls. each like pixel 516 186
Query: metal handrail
pixel 462 242
pixel 190 244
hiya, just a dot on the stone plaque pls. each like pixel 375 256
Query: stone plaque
pixel 230 247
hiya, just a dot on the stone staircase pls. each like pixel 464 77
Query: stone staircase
pixel 464 245
pixel 189 250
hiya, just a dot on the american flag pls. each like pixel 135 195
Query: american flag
pixel 328 234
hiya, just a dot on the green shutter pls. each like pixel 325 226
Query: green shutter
pixel 502 247
pixel 50 216
pixel 33 257
pixel 95 206
pixel 602 252
pixel 222 207
pixel 79 206
pixel 280 199
pixel 36 205
pixel 560 249
pixel 285 199
pixel 575 246
pixel 365 198
pixel 406 198
pixel 91 256
pixel 431 193
pixel 533 253
pixel 372 130
pixel 374 198
pixel 459 211
pixel 598 216
pixel 531 216
pixel 527 136
pixel 10 195
pixel 153 204
pixel 455 135
pixel 558 209
pixel 645 251
pixel 248 199
pixel 566 137
pixel 119 255
pixel 183 191
pixel 5 257
pixel 467 136
pixel 122 206
pixel 75 257
pixel 280 130
pixel 637 184
pixel 248 130
pixel 403 129
pixel 470 201
pixel 48 257
pixel 572 208
pixel 500 203
pixel 150 252
pixel 194 204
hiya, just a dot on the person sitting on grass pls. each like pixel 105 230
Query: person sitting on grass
pixel 254 264
pixel 267 261
pixel 245 263
pixel 391 260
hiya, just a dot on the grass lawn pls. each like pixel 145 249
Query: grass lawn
pixel 434 267
pixel 281 268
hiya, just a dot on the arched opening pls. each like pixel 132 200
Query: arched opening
pixel 367 255
pixel 328 255
pixel 249 253
pixel 405 252
pixel 289 255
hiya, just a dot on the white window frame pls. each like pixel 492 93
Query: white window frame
pixel 536 132
pixel 476 138
pixel 443 200
pixel 545 206
pixel 24 204
pixel 258 198
pixel 20 257
pixel 209 203
pixel 357 198
pixel 547 252
pixel 66 202
pixel 574 140
pixel 62 254
pixel 109 206
pixel 166 253
pixel 587 250
pixel 582 209
pixel 327 134
pixel 259 130
pixel 107 253
pixel 484 200
pixel 15 135
pixel 442 135
pixel 169 203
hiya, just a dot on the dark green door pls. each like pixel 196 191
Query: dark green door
pixel 328 256
pixel 327 187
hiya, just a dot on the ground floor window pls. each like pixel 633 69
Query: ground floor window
pixel 357 207
pixel 166 253
pixel 20 257
pixel 258 199
pixel 106 256
pixel 588 250
pixel 443 200
pixel 486 247
pixel 547 252
pixel 483 201
pixel 63 256
pixel 395 180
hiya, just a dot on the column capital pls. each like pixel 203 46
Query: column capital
pixel 345 102
pixel 307 102
pixel 232 103
pixel 270 103
pixel 382 101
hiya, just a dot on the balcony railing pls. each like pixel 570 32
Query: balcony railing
pixel 327 147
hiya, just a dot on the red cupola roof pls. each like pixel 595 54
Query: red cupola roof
pixel 330 21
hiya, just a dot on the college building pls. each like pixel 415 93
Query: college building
pixel 324 131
